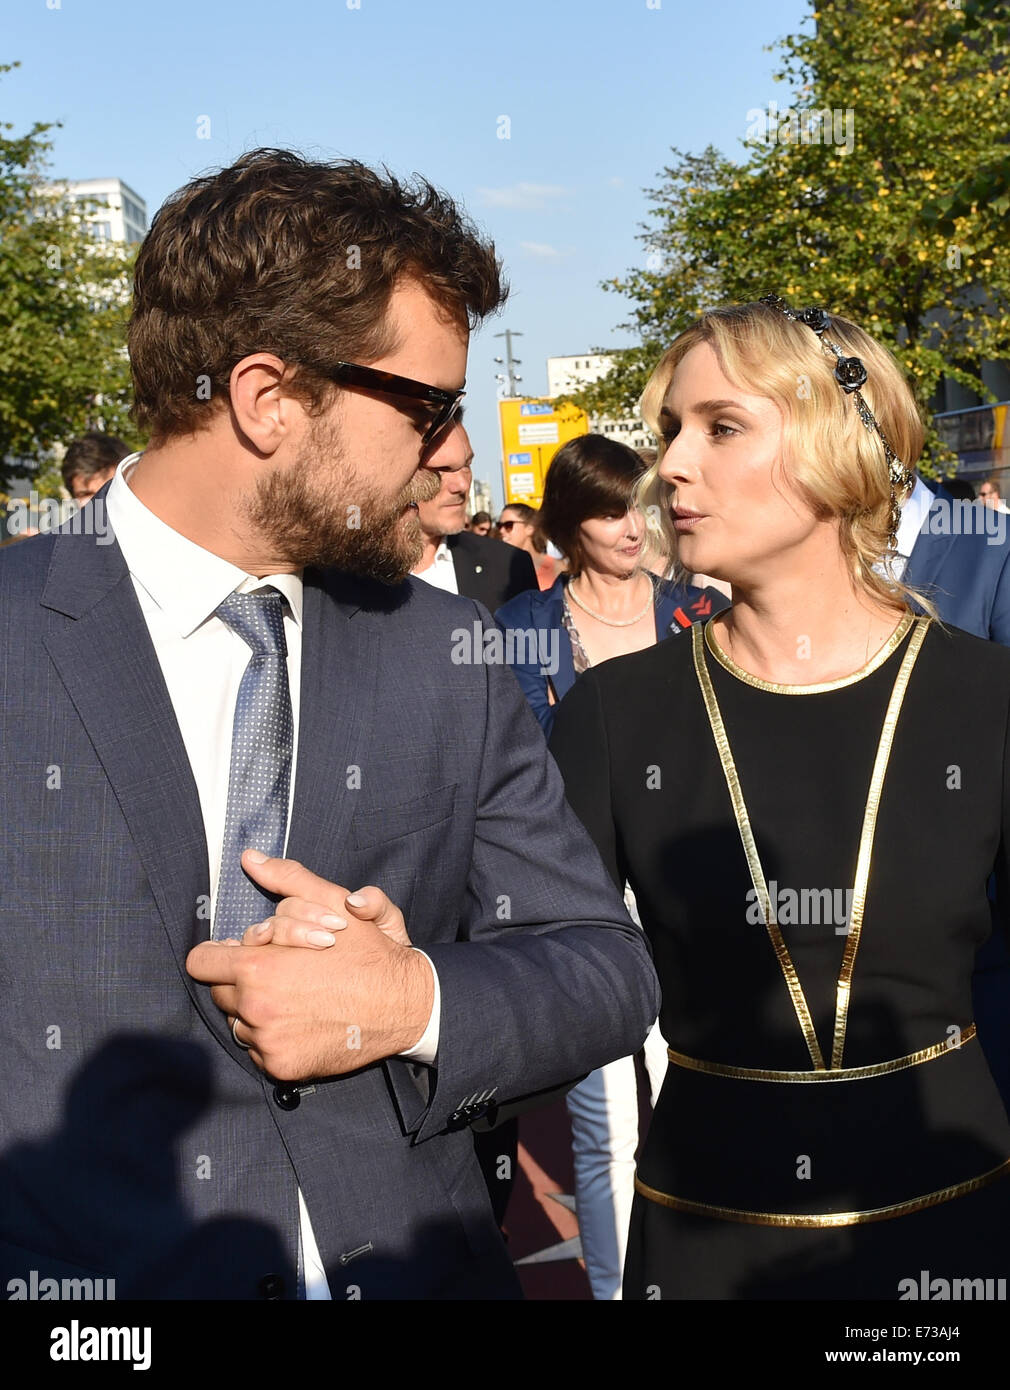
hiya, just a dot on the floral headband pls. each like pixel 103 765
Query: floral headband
pixel 851 375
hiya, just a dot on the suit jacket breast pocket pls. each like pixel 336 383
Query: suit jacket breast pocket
pixel 378 825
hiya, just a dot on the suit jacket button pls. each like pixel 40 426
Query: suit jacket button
pixel 271 1287
pixel 287 1096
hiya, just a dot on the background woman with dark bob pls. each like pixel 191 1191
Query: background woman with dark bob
pixel 828 1127
pixel 605 606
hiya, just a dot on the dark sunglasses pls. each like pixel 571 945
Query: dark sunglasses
pixel 506 525
pixel 448 403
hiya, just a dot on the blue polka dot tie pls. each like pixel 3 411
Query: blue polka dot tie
pixel 259 780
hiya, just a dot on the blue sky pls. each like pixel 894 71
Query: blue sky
pixel 596 92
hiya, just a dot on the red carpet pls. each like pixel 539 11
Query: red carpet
pixel 534 1221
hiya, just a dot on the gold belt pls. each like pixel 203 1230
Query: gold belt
pixel 913 1059
pixel 834 1218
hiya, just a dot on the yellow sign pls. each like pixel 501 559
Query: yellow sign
pixel 532 431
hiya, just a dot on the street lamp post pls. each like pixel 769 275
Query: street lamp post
pixel 509 377
pixel 509 380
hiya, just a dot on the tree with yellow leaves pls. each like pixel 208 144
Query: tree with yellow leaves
pixel 876 188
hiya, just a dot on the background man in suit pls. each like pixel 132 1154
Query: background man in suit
pixel 246 667
pixel 958 554
pixel 89 464
pixel 479 567
pixel 460 561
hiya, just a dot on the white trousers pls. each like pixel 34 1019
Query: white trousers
pixel 604 1114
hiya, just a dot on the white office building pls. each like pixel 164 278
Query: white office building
pixel 110 207
pixel 567 374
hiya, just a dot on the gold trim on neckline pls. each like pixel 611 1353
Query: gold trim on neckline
pixel 875 661
pixel 831 1218
pixel 911 1059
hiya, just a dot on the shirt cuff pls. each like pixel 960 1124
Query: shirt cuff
pixel 426 1047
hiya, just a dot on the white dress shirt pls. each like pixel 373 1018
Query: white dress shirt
pixel 441 573
pixel 179 586
pixel 914 510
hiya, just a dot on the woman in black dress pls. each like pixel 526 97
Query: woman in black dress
pixel 809 839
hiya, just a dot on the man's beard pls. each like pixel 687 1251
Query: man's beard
pixel 321 513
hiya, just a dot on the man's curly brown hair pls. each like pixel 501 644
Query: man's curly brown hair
pixel 286 255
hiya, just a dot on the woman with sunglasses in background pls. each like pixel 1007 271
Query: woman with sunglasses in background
pixel 518 526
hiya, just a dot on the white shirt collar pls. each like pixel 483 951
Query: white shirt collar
pixel 442 554
pixel 913 513
pixel 187 582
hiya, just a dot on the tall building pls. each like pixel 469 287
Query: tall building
pixel 565 374
pixel 109 206
pixel 480 497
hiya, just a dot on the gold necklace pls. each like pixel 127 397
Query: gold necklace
pixel 758 880
pixel 878 659
pixel 724 655
pixel 613 622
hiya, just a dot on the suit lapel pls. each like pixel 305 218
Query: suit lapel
pixel 106 660
pixel 547 614
pixel 339 676
pixel 339 694
pixel 467 579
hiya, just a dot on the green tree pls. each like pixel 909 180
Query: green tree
pixel 877 189
pixel 63 306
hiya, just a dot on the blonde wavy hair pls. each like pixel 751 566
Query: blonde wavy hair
pixel 834 461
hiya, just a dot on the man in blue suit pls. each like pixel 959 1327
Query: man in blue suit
pixel 957 553
pixel 226 704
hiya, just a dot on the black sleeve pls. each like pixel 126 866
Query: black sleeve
pixel 580 748
pixel 522 574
